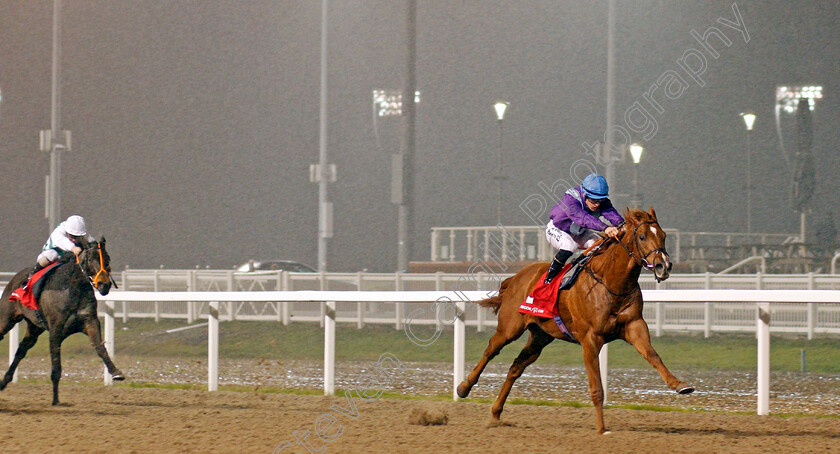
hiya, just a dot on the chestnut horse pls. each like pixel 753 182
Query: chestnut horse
pixel 604 304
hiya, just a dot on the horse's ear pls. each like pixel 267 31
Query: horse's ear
pixel 102 240
pixel 652 213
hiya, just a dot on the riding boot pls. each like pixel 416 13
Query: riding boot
pixel 557 265
pixel 32 272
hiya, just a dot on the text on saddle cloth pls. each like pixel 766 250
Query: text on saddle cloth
pixel 542 301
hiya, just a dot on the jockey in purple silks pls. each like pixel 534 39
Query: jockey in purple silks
pixel 577 216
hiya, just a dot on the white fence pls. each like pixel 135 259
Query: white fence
pixel 762 316
pixel 706 317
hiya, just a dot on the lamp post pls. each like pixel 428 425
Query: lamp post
pixel 500 107
pixel 636 153
pixel 749 121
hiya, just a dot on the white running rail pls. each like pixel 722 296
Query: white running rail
pixel 763 299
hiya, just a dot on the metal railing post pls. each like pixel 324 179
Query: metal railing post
pixel 459 349
pixel 213 347
pixel 329 349
pixel 14 340
pixel 812 310
pixel 398 306
pixel 109 338
pixel 360 306
pixel 763 360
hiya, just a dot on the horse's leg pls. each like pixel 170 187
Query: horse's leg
pixel 25 344
pixel 591 347
pixel 56 338
pixel 94 332
pixel 536 341
pixel 636 333
pixel 497 342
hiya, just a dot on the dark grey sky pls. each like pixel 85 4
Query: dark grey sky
pixel 194 122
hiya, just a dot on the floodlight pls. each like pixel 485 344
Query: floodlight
pixel 787 96
pixel 389 102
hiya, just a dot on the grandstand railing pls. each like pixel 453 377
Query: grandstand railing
pixel 512 243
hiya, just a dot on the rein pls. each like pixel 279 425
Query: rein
pixel 641 261
pixel 101 266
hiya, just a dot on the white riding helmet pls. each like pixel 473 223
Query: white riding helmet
pixel 75 225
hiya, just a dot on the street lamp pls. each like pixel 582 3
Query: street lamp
pixel 636 152
pixel 749 121
pixel 500 107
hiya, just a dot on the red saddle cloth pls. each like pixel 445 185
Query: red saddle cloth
pixel 24 294
pixel 542 301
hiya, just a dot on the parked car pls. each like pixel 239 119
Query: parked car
pixel 275 265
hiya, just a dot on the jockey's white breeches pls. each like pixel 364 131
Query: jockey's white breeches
pixel 565 241
pixel 47 257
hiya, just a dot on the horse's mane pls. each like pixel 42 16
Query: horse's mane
pixel 632 218
pixel 635 216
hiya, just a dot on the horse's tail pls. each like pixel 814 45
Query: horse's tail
pixel 495 302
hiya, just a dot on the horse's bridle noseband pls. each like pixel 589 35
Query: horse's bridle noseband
pixel 643 260
pixel 92 280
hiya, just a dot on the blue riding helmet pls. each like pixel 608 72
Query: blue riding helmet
pixel 595 187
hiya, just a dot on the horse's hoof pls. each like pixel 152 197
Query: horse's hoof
pixel 685 389
pixel 463 390
pixel 118 376
pixel 2 385
pixel 606 432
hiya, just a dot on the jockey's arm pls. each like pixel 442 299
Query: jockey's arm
pixel 580 217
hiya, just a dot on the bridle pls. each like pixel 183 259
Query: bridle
pixel 642 261
pixel 101 266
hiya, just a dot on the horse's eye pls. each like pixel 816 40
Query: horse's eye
pixel 641 237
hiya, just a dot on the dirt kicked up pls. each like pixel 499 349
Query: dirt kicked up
pixel 122 419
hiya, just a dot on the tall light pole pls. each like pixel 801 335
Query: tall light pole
pixel 749 121
pixel 793 99
pixel 323 173
pixel 500 107
pixel 50 138
pixel 609 137
pixel 636 153
pixel 405 210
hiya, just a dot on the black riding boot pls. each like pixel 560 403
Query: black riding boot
pixel 32 272
pixel 557 265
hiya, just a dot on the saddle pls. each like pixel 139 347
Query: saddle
pixel 29 294
pixel 542 301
